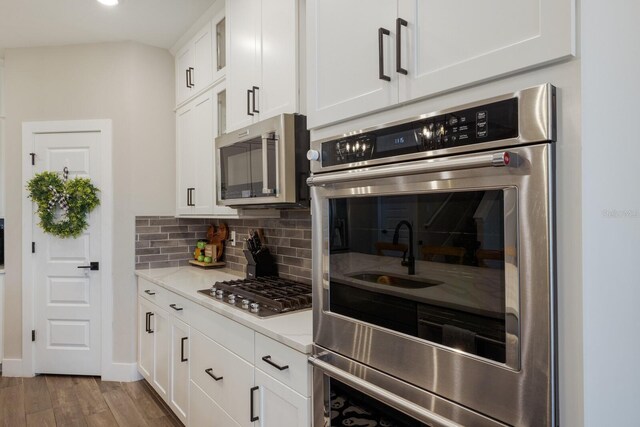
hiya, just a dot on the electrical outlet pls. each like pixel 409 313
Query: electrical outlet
pixel 233 238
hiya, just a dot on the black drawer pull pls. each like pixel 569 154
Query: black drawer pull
pixel 175 307
pixel 182 358
pixel 209 372
pixel 275 365
pixel 381 33
pixel 251 403
pixel 148 292
pixel 149 330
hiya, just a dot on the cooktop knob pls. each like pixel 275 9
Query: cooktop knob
pixel 254 307
pixel 313 155
pixel 219 293
pixel 245 304
pixel 232 298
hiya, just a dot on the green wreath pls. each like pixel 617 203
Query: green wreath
pixel 63 205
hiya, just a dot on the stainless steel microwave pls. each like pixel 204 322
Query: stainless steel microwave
pixel 265 164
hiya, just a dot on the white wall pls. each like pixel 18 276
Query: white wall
pixel 133 85
pixel 611 211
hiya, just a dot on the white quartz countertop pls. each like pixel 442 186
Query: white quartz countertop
pixel 291 329
pixel 473 289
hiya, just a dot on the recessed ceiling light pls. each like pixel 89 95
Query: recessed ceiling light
pixel 109 2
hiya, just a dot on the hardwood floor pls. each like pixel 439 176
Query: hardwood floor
pixel 64 401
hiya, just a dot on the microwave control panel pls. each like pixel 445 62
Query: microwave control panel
pixel 490 122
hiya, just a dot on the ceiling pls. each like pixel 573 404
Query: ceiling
pixel 29 23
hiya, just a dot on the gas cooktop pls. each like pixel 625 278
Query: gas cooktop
pixel 262 296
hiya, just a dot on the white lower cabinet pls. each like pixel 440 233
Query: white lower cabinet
pixel 180 354
pixel 212 371
pixel 280 406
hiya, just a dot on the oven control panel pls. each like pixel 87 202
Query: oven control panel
pixel 485 123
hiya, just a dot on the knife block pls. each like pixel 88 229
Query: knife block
pixel 260 264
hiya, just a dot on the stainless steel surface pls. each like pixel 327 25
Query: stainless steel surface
pixel 469 161
pixel 413 401
pixel 536 117
pixel 522 390
pixel 391 280
pixel 281 127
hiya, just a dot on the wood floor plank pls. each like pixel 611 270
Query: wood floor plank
pixel 124 409
pixel 62 397
pixel 10 381
pixel 101 419
pixel 89 396
pixel 36 394
pixel 146 404
pixel 12 406
pixel 106 386
pixel 69 416
pixel 165 421
pixel 44 418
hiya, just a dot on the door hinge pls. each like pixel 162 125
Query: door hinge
pixel 33 335
pixel 33 159
pixel 33 247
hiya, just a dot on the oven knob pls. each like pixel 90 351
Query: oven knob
pixel 219 293
pixel 313 155
pixel 245 304
pixel 254 307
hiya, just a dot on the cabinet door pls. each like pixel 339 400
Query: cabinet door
pixel 204 412
pixel 202 74
pixel 179 395
pixel 184 60
pixel 202 149
pixel 343 58
pixel 161 351
pixel 185 159
pixel 278 92
pixel 243 18
pixel 145 339
pixel 450 44
pixel 279 405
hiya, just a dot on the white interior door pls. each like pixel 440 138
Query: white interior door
pixel 66 297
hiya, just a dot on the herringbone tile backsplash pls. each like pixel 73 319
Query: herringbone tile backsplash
pixel 163 241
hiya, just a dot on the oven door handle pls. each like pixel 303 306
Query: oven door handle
pixel 476 161
pixel 410 408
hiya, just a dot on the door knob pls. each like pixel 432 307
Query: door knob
pixel 93 266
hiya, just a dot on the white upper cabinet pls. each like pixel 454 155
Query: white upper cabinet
pixel 263 60
pixel 427 47
pixel 202 60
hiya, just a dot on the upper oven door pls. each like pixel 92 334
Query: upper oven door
pixel 438 272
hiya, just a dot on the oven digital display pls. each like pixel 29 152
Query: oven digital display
pixel 396 141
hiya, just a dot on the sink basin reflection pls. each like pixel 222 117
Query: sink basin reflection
pixel 396 281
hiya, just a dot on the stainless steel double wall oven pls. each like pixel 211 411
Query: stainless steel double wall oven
pixel 433 257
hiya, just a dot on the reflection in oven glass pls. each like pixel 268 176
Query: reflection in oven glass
pixel 350 407
pixel 427 265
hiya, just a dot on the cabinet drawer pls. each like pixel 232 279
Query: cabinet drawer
pixel 223 376
pixel 236 337
pixel 150 291
pixel 204 412
pixel 283 363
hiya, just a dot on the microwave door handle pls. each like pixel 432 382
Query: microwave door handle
pixel 265 164
pixel 410 408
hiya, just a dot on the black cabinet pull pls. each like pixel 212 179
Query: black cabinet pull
pixel 253 91
pixel 191 77
pixel 146 321
pixel 186 73
pixel 249 91
pixel 381 33
pixel 209 372
pixel 190 191
pixel 148 292
pixel 149 330
pixel 251 403
pixel 175 307
pixel 399 24
pixel 275 365
pixel 182 358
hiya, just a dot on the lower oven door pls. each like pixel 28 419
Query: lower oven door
pixel 347 393
pixel 439 273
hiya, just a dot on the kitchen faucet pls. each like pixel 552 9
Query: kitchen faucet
pixel 411 261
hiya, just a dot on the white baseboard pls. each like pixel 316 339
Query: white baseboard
pixel 125 372
pixel 12 368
